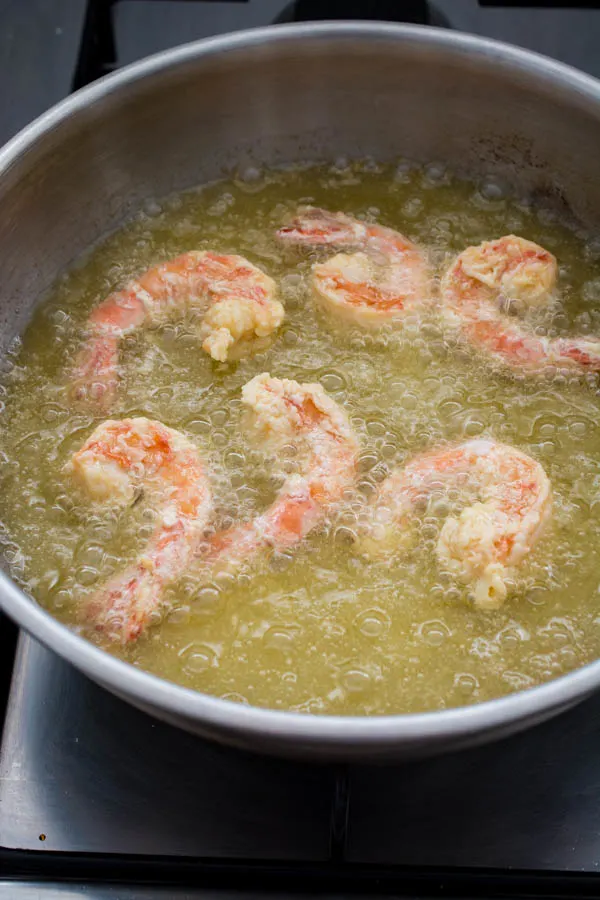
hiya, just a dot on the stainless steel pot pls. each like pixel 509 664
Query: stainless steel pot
pixel 276 96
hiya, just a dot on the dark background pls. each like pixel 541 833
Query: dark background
pixel 42 57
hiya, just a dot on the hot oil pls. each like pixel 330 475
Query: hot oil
pixel 319 629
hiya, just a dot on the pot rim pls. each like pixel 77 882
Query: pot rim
pixel 151 692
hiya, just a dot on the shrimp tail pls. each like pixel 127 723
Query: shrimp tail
pixel 318 227
pixel 121 610
pixel 236 298
pixel 476 289
pixel 95 376
pixel 384 277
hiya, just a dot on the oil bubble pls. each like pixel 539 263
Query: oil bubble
pixel 517 681
pixel 373 622
pixel 367 461
pixel 91 554
pixel 219 417
pixel 435 174
pixel 197 658
pixel 179 615
pixel 87 575
pixel 344 536
pixel 62 599
pixel 356 680
pixel 466 684
pixel 279 640
pixel 492 189
pixel 433 632
pixel 234 697
pixel 412 208
pixel 198 426
pixel 332 382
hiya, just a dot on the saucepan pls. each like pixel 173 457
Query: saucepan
pixel 270 97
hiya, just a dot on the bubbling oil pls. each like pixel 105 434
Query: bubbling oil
pixel 319 629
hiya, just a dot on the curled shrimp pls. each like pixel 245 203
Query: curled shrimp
pixel 237 297
pixel 118 460
pixel 484 279
pixel 377 284
pixel 281 413
pixel 490 536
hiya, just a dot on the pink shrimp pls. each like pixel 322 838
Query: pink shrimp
pixel 116 461
pixel 483 279
pixel 490 536
pixel 378 284
pixel 238 299
pixel 283 412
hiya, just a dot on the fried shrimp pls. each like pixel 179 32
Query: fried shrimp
pixel 119 459
pixel 484 280
pixel 281 413
pixel 237 299
pixel 384 277
pixel 492 535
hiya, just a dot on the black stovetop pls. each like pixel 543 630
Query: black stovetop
pixel 92 790
pixel 99 801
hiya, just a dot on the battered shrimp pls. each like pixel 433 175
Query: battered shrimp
pixel 489 537
pixel 385 278
pixel 486 278
pixel 284 413
pixel 238 299
pixel 117 462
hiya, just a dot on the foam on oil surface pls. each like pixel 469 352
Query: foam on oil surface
pixel 319 629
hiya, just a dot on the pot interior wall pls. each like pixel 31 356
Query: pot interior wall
pixel 307 96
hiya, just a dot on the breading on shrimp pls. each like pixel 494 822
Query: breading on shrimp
pixel 237 298
pixel 491 535
pixel 384 277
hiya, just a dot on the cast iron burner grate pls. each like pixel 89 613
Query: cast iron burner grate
pixel 91 790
